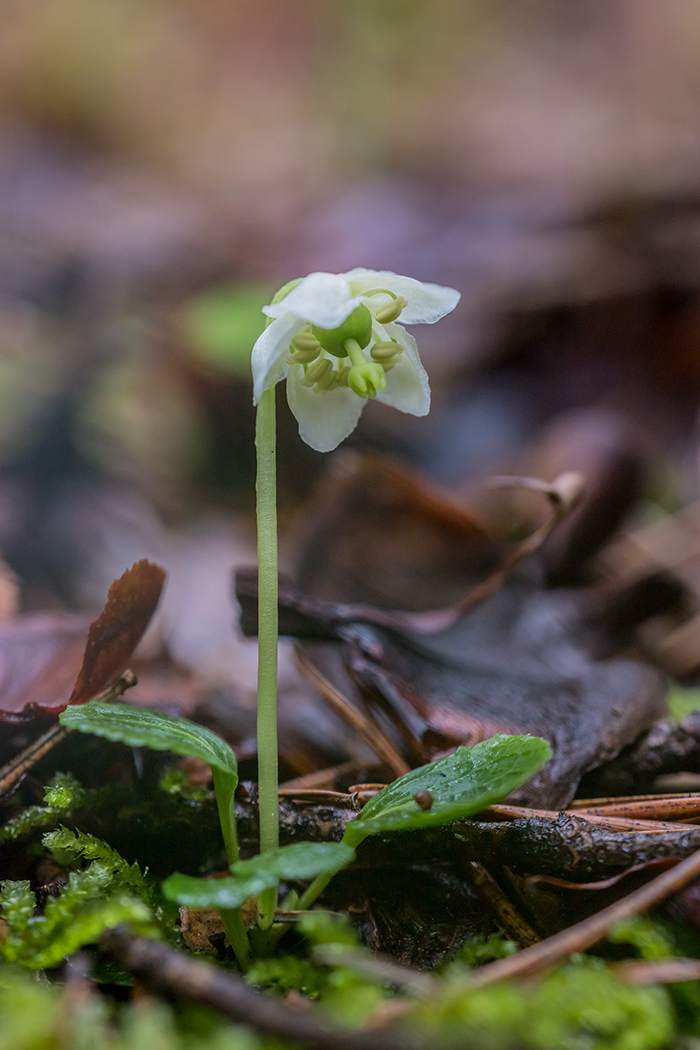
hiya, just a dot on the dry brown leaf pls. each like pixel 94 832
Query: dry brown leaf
pixel 114 635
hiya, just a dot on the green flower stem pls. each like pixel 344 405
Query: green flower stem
pixel 265 441
pixel 313 891
pixel 237 936
pixel 225 790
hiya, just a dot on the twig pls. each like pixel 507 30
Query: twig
pixel 14 771
pixel 377 968
pixel 175 974
pixel 659 971
pixel 540 957
pixel 623 800
pixel 319 796
pixel 597 817
pixel 511 922
pixel 371 734
pixel 667 747
pixel 322 778
pixel 673 808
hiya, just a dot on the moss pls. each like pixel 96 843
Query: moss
pixel 38 1016
pixel 106 893
pixel 582 1006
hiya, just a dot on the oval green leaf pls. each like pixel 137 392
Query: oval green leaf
pixel 142 727
pixel 303 860
pixel 460 785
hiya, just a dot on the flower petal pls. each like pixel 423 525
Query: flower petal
pixel 324 299
pixel 325 419
pixel 427 303
pixel 407 386
pixel 269 357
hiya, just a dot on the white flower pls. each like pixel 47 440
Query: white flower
pixel 335 338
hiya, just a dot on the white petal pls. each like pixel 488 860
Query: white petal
pixel 427 303
pixel 324 419
pixel 407 386
pixel 269 357
pixel 324 299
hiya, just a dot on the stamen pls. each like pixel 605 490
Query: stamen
pixel 306 340
pixel 305 357
pixel 380 291
pixel 316 371
pixel 327 380
pixel 390 311
pixel 385 351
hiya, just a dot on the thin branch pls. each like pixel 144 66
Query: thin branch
pixel 177 975
pixel 370 733
pixel 508 918
pixel 13 772
pixel 377 968
pixel 667 747
pixel 599 818
pixel 541 957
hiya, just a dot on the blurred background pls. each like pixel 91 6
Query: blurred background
pixel 166 164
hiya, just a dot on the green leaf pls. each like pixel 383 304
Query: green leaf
pixel 460 785
pixel 303 860
pixel 222 324
pixel 682 701
pixel 142 727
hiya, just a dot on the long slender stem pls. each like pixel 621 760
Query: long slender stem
pixel 265 441
pixel 313 891
pixel 232 919
pixel 226 806
pixel 224 788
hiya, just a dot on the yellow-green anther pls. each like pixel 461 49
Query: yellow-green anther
pixel 305 357
pixel 343 374
pixel 366 379
pixel 357 326
pixel 385 351
pixel 316 371
pixel 306 341
pixel 391 310
pixel 327 380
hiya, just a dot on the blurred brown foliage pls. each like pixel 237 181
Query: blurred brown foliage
pixel 268 101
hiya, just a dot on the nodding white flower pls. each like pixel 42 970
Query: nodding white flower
pixel 335 338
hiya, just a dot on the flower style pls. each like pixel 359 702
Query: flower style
pixel 335 338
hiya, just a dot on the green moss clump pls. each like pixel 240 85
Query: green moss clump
pixel 106 893
pixel 38 1016
pixel 482 949
pixel 582 1006
pixel 62 795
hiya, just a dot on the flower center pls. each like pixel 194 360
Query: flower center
pixel 315 348
pixel 357 326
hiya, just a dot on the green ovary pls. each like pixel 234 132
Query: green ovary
pixel 357 326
